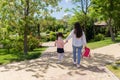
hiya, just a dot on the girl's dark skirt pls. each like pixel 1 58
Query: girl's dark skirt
pixel 60 50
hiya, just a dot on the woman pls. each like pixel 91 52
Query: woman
pixel 78 42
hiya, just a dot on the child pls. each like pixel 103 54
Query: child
pixel 60 46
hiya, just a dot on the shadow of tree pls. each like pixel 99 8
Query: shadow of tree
pixel 49 59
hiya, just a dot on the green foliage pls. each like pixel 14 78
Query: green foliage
pixel 48 31
pixel 23 15
pixel 114 69
pixel 44 37
pixel 52 36
pixel 99 37
pixel 32 43
pixel 18 46
pixel 66 34
pixel 61 30
pixel 15 56
pixel 7 44
pixel 107 10
pixel 105 42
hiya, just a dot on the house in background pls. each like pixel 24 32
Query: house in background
pixel 101 27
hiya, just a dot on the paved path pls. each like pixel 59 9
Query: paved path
pixel 45 67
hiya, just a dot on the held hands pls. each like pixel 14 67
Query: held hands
pixel 66 41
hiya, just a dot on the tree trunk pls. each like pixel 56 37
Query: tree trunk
pixel 25 40
pixel 38 31
pixel 25 28
pixel 110 21
pixel 111 31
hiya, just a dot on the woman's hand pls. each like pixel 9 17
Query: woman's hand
pixel 66 41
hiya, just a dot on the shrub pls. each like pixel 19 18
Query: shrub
pixel 61 30
pixel 44 37
pixel 18 45
pixel 52 36
pixel 99 37
pixel 6 43
pixel 47 31
pixel 66 34
pixel 32 43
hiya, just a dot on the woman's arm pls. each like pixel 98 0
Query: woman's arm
pixel 84 39
pixel 69 36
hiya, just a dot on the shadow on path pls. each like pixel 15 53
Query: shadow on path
pixel 40 66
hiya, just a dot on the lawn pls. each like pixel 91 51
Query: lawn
pixel 13 56
pixel 114 69
pixel 97 44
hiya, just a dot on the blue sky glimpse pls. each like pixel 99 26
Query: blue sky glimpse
pixel 64 4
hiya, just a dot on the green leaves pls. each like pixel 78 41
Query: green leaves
pixel 24 14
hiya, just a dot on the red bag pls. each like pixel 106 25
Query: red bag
pixel 86 53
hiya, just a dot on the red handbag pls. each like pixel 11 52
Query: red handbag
pixel 86 53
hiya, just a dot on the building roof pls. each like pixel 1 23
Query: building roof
pixel 100 23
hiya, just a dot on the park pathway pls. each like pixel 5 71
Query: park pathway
pixel 45 67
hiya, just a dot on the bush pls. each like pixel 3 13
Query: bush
pixel 18 45
pixel 99 37
pixel 7 44
pixel 32 43
pixel 52 36
pixel 44 37
pixel 66 34
pixel 47 32
pixel 61 30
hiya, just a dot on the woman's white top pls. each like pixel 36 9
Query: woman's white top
pixel 77 41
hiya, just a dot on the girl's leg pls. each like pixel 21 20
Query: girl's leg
pixel 59 56
pixel 74 54
pixel 62 55
pixel 79 55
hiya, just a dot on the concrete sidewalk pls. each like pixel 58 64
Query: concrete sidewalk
pixel 45 67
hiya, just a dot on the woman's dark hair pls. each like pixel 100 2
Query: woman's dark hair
pixel 59 34
pixel 78 30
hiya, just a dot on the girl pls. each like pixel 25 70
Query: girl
pixel 60 46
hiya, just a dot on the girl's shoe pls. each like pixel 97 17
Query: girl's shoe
pixel 59 62
pixel 74 63
pixel 78 66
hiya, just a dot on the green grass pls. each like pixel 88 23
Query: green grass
pixel 114 69
pixel 107 41
pixel 13 56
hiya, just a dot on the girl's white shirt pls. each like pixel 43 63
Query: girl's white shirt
pixel 77 41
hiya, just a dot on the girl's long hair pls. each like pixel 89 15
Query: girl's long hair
pixel 78 30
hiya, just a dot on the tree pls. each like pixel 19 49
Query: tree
pixel 82 5
pixel 108 9
pixel 21 14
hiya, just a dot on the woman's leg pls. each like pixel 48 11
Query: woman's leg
pixel 74 54
pixel 79 55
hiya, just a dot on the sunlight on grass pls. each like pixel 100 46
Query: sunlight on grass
pixel 114 69
pixel 17 56
pixel 98 44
